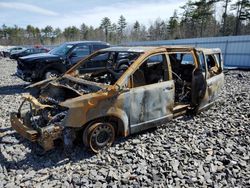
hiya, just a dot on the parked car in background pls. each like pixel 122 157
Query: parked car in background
pixel 42 66
pixel 159 83
pixel 1 52
pixel 7 52
pixel 28 51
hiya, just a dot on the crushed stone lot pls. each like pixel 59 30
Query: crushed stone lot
pixel 211 149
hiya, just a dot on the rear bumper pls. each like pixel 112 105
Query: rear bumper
pixel 45 136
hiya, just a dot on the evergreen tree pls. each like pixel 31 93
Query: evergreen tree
pixel 121 26
pixel 242 8
pixel 136 31
pixel 84 31
pixel 105 25
pixel 71 33
pixel 224 16
pixel 173 26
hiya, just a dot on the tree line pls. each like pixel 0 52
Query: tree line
pixel 197 19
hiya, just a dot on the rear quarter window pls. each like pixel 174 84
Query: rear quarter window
pixel 81 51
pixel 187 59
pixel 99 47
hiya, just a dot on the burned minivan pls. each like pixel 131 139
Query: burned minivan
pixel 140 88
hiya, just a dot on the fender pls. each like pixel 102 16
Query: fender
pixel 120 114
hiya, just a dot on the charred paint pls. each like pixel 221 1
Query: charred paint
pixel 74 103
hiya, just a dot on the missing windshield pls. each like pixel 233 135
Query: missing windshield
pixel 106 67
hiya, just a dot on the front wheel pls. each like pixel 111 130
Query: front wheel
pixel 51 74
pixel 98 135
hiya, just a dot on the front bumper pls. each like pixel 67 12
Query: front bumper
pixel 26 76
pixel 23 130
pixel 45 136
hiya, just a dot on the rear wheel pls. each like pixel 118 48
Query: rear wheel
pixel 50 74
pixel 98 136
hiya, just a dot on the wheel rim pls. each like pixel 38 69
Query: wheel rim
pixel 102 135
pixel 51 75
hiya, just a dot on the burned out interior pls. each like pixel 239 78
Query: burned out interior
pixel 155 69
pixel 182 65
pixel 213 64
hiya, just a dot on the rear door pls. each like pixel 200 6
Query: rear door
pixel 98 63
pixel 199 83
pixel 214 79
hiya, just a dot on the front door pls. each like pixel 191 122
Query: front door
pixel 152 95
pixel 79 53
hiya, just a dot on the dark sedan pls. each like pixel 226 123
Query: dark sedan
pixel 26 52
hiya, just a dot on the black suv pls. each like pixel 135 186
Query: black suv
pixel 45 65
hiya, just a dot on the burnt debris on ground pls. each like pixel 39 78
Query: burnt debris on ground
pixel 210 149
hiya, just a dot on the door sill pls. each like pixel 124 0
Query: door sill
pixel 180 109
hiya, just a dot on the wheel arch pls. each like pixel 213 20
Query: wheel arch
pixel 55 66
pixel 120 123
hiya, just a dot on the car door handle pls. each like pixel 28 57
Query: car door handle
pixel 168 88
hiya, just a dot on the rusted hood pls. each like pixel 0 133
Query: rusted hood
pixel 57 90
pixel 67 81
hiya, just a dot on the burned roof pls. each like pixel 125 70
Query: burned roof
pixel 173 48
pixel 141 49
pixel 209 50
pixel 86 42
pixel 138 49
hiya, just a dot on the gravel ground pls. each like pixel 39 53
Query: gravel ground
pixel 208 150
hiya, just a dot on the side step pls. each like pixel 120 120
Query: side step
pixel 180 109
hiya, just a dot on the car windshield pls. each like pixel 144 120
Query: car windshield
pixel 61 50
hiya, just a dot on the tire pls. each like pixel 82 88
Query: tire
pixel 98 136
pixel 50 74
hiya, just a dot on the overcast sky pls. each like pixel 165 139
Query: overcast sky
pixel 63 13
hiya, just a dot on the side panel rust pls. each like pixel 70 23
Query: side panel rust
pixel 214 86
pixel 73 102
pixel 151 102
pixel 89 107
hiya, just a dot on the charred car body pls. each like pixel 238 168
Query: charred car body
pixel 45 65
pixel 156 85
